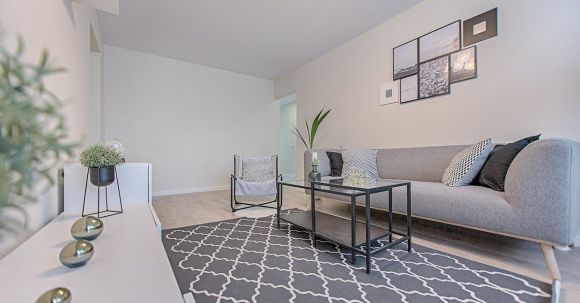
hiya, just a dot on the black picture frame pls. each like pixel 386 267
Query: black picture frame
pixel 404 75
pixel 416 97
pixel 419 78
pixel 490 19
pixel 468 77
pixel 421 60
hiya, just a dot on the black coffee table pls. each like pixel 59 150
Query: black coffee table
pixel 336 229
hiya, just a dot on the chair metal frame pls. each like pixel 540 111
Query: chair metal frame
pixel 245 205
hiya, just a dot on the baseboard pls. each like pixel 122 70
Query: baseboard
pixel 180 191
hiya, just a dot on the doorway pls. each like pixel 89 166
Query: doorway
pixel 287 156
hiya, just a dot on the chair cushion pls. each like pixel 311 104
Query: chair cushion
pixel 258 169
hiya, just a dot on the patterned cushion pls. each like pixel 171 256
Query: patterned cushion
pixel 360 164
pixel 258 169
pixel 465 166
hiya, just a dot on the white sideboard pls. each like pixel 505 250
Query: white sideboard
pixel 134 183
pixel 129 264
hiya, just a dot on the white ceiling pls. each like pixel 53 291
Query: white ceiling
pixel 263 38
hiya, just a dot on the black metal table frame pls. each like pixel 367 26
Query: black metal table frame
pixel 356 192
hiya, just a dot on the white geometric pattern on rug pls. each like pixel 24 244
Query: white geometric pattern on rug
pixel 250 260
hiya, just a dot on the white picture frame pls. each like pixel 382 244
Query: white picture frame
pixel 389 93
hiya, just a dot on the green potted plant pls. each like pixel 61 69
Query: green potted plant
pixel 311 132
pixel 33 134
pixel 101 161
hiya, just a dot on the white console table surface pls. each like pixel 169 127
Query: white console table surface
pixel 129 264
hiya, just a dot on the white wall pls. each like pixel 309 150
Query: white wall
pixel 187 119
pixel 62 27
pixel 527 80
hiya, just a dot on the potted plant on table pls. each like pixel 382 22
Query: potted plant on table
pixel 101 161
pixel 311 132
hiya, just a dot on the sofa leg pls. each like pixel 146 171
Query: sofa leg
pixel 548 252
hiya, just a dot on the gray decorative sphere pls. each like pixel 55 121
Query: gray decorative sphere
pixel 56 295
pixel 87 228
pixel 76 253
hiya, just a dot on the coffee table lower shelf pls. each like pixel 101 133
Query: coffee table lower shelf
pixel 338 230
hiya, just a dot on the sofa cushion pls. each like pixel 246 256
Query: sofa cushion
pixel 416 163
pixel 466 165
pixel 361 163
pixel 471 206
pixel 495 169
pixel 335 163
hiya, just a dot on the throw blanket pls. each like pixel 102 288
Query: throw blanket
pixel 255 189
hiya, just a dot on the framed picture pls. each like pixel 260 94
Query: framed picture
pixel 389 93
pixel 480 27
pixel 434 77
pixel 409 89
pixel 405 59
pixel 463 65
pixel 440 42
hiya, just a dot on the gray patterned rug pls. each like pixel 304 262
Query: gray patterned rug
pixel 250 260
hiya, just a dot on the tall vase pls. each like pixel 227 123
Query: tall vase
pixel 314 174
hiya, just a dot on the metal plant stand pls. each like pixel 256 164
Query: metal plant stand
pixel 106 212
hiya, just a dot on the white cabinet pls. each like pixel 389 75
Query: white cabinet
pixel 129 264
pixel 134 181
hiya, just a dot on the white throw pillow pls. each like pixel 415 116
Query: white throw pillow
pixel 360 164
pixel 258 169
pixel 465 166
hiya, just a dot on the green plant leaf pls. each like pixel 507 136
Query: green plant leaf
pixel 308 131
pixel 297 133
pixel 316 123
pixel 311 129
pixel 32 133
pixel 100 155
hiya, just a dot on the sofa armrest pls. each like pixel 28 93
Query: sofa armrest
pixel 542 186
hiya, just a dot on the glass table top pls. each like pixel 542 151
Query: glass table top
pixel 346 186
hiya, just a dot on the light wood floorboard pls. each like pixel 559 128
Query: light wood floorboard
pixel 511 254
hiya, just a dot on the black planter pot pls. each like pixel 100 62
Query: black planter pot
pixel 102 176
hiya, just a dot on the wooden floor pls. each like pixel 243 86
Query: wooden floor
pixel 514 255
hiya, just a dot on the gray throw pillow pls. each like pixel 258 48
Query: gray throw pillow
pixel 465 166
pixel 360 164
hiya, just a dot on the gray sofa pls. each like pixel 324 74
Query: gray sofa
pixel 541 202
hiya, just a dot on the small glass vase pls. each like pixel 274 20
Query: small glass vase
pixel 314 175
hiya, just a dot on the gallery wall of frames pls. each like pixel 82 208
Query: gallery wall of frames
pixel 426 66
